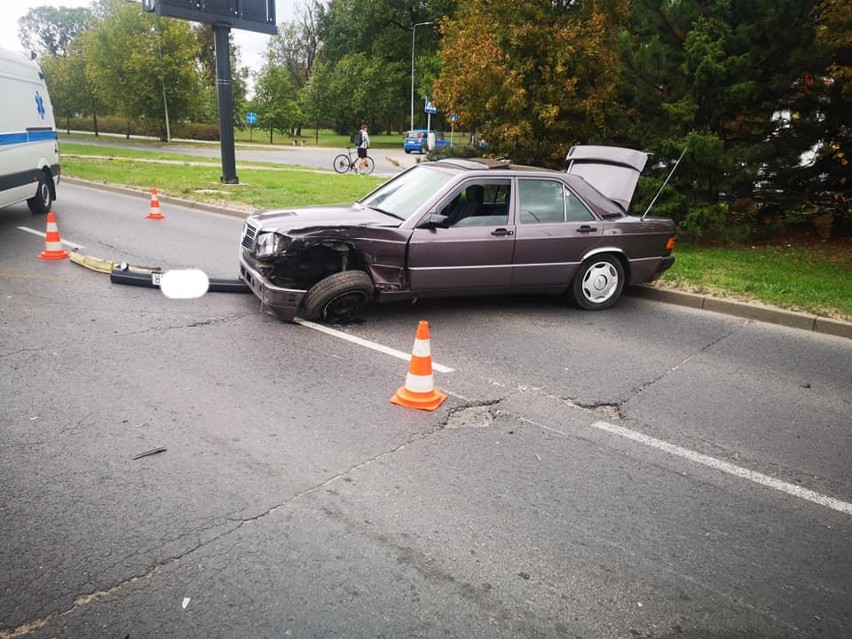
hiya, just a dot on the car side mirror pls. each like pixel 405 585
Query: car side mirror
pixel 435 220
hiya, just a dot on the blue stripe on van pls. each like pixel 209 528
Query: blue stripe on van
pixel 27 136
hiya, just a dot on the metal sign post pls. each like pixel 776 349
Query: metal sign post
pixel 226 104
pixel 429 109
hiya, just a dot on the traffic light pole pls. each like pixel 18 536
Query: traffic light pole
pixel 226 103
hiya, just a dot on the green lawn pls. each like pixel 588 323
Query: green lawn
pixel 261 185
pixel 810 276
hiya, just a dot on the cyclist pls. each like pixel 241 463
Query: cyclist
pixel 362 149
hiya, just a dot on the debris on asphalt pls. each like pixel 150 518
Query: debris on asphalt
pixel 153 451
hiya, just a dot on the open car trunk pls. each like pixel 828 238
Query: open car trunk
pixel 611 170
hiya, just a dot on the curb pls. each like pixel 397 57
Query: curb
pixel 747 310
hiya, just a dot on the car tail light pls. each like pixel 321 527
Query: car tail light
pixel 670 244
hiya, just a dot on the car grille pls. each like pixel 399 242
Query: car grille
pixel 249 231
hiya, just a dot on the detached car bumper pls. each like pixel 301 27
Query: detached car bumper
pixel 283 302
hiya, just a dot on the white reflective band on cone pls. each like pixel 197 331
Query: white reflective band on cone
pixel 419 383
pixel 421 348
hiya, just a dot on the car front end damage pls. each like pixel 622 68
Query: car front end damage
pixel 283 301
pixel 282 264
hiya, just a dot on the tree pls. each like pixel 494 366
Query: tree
pixel 49 30
pixel 275 100
pixel 379 31
pixel 730 80
pixel 834 31
pixel 295 48
pixel 142 64
pixel 71 91
pixel 535 76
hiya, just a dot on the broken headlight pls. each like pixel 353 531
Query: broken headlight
pixel 270 245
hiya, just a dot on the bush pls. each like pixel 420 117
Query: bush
pixel 704 223
pixel 113 124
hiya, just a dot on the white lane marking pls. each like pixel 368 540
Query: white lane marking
pixel 367 343
pixel 74 246
pixel 725 467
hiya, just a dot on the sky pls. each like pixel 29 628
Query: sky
pixel 252 45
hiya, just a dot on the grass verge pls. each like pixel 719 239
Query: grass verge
pixel 261 186
pixel 808 276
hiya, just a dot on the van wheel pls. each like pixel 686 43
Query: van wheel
pixel 338 297
pixel 42 201
pixel 598 283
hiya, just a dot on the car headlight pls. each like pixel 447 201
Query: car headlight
pixel 270 245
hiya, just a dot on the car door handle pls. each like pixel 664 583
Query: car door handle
pixel 586 229
pixel 502 232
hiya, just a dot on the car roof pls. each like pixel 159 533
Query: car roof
pixel 490 164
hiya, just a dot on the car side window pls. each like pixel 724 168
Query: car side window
pixel 479 204
pixel 575 210
pixel 549 202
pixel 541 201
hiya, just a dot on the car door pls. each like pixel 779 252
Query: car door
pixel 474 251
pixel 554 230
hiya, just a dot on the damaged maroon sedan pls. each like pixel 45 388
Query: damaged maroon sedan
pixel 459 227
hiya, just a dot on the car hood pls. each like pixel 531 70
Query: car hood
pixel 286 220
pixel 613 171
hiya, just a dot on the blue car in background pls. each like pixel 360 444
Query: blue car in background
pixel 417 140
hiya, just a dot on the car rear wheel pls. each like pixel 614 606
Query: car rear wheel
pixel 42 201
pixel 338 297
pixel 598 283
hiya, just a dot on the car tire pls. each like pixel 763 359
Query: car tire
pixel 599 283
pixel 41 202
pixel 407 151
pixel 338 297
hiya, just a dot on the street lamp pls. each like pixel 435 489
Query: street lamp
pixel 413 32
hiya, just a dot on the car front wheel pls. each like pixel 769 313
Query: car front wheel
pixel 598 283
pixel 338 297
pixel 42 201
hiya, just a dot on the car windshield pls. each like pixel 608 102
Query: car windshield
pixel 406 193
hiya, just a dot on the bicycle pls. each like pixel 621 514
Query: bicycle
pixel 345 162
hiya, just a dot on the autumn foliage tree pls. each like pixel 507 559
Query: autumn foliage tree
pixel 533 77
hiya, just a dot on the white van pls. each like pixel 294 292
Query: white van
pixel 29 149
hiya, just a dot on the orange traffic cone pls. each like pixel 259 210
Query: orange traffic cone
pixel 154 211
pixel 419 390
pixel 52 242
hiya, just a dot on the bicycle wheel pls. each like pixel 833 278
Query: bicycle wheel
pixel 369 165
pixel 341 163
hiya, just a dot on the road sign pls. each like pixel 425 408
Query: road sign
pixel 251 118
pixel 429 108
pixel 454 117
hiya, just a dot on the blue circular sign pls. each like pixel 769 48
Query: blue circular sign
pixel 251 118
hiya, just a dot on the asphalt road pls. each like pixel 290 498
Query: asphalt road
pixel 648 471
